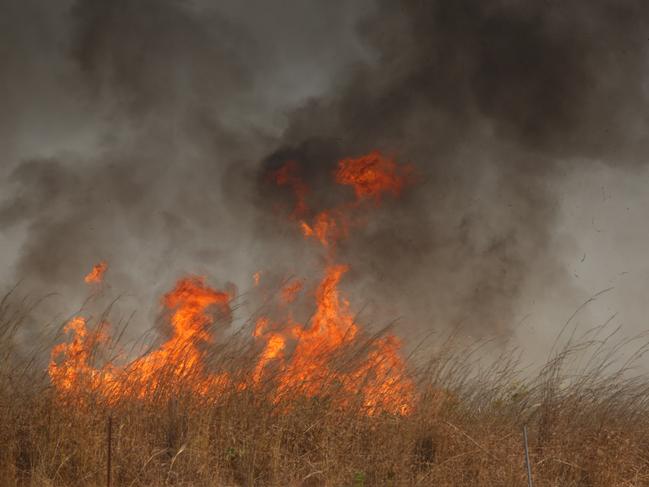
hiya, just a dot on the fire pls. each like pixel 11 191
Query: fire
pixel 380 378
pixel 310 367
pixel 372 175
pixel 287 176
pixel 181 355
pixel 96 275
pixel 328 227
pixel 329 354
pixel 76 370
pixel 180 358
pixel 291 290
pixel 315 365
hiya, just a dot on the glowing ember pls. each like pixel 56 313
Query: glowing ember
pixel 96 275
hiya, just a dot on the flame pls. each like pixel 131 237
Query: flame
pixel 314 365
pixel 381 378
pixel 274 349
pixel 372 175
pixel 291 290
pixel 287 176
pixel 178 361
pixel 328 227
pixel 330 354
pixel 76 370
pixel 96 275
pixel 182 355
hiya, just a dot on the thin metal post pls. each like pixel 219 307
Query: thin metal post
pixel 109 450
pixel 527 458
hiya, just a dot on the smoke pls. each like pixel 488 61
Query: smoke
pixel 494 102
pixel 154 79
pixel 141 133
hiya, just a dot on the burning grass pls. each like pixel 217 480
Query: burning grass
pixel 285 400
pixel 588 425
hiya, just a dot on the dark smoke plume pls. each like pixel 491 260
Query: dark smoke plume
pixel 141 132
pixel 493 101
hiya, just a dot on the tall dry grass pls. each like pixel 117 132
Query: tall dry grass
pixel 586 415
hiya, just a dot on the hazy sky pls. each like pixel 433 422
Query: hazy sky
pixel 139 132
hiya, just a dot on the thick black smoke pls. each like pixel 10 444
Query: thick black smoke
pixel 141 132
pixel 493 101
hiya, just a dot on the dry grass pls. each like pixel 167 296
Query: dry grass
pixel 587 420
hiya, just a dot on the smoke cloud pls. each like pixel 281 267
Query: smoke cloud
pixel 143 133
pixel 493 102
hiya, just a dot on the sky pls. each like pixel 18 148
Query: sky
pixel 141 133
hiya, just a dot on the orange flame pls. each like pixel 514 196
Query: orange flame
pixel 372 175
pixel 76 371
pixel 290 291
pixel 314 365
pixel 287 176
pixel 189 301
pixel 96 275
pixel 328 227
pixel 330 354
pixel 179 358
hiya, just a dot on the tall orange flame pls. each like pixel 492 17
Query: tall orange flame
pixel 329 353
pixel 315 364
pixel 381 377
pixel 189 303
pixel 76 370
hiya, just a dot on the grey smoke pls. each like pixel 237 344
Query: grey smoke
pixel 494 102
pixel 140 133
